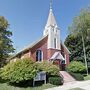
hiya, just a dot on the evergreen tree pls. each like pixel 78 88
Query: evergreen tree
pixel 6 46
pixel 74 44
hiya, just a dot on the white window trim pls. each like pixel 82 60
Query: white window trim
pixel 41 57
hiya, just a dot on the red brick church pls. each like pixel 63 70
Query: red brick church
pixel 49 47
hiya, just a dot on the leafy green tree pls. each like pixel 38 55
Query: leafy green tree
pixel 81 24
pixel 80 27
pixel 6 46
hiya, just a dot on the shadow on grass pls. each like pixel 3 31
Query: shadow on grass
pixel 26 84
pixel 2 80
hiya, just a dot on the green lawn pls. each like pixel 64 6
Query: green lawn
pixel 4 86
pixel 87 77
pixel 76 89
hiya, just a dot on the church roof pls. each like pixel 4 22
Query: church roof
pixel 51 19
pixel 30 46
pixel 57 55
pixel 65 48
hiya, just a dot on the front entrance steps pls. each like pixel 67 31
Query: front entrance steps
pixel 66 77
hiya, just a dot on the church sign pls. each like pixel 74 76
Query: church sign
pixel 39 77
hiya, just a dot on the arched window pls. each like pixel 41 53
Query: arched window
pixel 54 42
pixel 39 55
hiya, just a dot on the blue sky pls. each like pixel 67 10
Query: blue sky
pixel 27 18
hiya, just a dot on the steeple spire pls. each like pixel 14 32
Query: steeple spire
pixel 52 30
pixel 51 19
pixel 51 4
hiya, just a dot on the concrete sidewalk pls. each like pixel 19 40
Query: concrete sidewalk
pixel 84 85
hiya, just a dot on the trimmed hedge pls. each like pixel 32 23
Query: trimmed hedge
pixel 76 67
pixel 77 76
pixel 24 70
pixel 56 80
pixel 19 71
pixel 48 67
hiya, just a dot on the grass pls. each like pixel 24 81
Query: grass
pixel 87 77
pixel 4 86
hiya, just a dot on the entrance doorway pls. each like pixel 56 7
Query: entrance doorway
pixel 62 65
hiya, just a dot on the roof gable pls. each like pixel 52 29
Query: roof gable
pixel 65 47
pixel 30 46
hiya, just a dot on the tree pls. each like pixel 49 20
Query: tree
pixel 74 44
pixel 81 24
pixel 6 46
pixel 81 27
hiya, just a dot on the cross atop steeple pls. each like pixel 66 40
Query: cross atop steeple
pixel 50 4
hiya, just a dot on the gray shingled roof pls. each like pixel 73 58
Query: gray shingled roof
pixel 29 47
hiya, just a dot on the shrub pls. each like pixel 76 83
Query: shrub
pixel 77 76
pixel 76 67
pixel 56 80
pixel 48 67
pixel 87 77
pixel 21 70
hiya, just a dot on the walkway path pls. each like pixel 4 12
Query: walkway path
pixel 84 85
pixel 66 77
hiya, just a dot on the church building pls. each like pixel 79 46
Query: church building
pixel 49 47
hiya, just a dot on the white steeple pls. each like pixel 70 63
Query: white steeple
pixel 51 19
pixel 52 30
